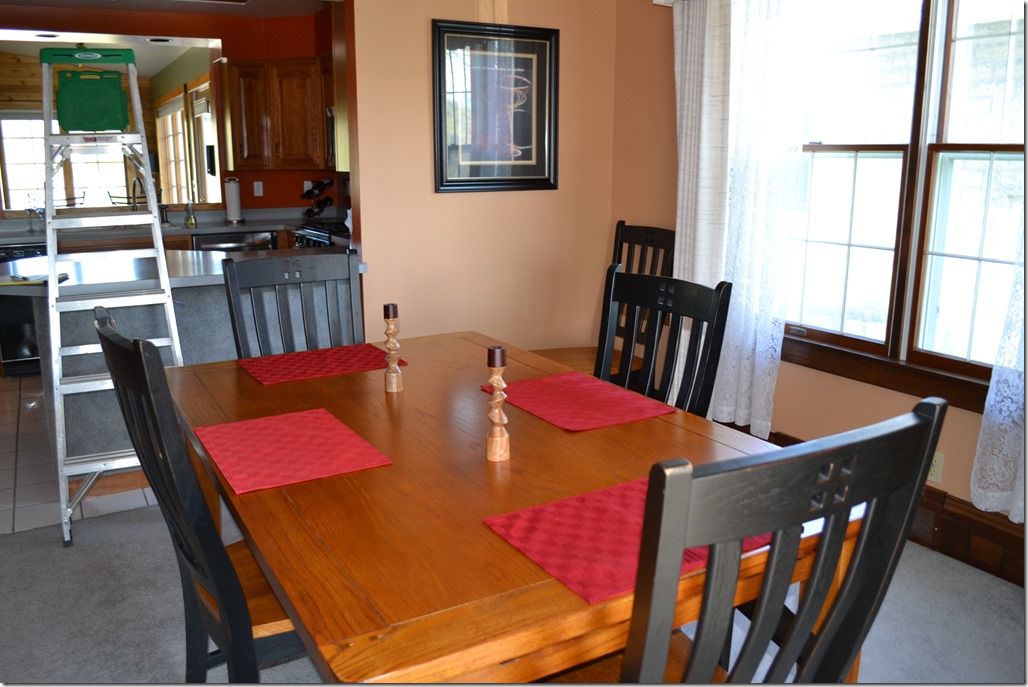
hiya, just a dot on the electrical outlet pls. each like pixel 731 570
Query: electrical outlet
pixel 307 185
pixel 258 188
pixel 935 471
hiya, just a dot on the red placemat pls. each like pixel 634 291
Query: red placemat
pixel 286 449
pixel 320 362
pixel 590 542
pixel 577 401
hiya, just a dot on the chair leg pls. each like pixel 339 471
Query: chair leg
pixel 196 640
pixel 241 661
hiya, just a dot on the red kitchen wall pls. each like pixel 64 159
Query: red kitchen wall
pixel 241 37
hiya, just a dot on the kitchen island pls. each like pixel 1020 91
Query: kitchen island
pixel 93 422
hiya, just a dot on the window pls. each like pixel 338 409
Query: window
pixel 908 199
pixel 186 137
pixel 86 179
pixel 171 145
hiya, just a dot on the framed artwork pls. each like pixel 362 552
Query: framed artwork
pixel 495 96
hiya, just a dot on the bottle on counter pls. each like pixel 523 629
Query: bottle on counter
pixel 190 216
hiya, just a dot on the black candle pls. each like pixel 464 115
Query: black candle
pixel 390 311
pixel 497 356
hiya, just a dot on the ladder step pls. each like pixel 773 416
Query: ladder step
pixel 97 462
pixel 84 349
pixel 92 140
pixel 88 349
pixel 116 299
pixel 124 253
pixel 107 219
pixel 85 384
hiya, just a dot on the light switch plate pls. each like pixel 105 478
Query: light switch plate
pixel 258 188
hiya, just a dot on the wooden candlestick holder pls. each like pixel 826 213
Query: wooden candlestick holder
pixel 393 375
pixel 497 442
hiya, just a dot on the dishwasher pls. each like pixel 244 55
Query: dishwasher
pixel 19 351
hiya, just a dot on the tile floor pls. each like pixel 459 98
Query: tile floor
pixel 29 495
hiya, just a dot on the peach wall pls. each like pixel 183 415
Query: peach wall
pixel 645 152
pixel 525 266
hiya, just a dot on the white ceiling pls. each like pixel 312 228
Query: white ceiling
pixel 150 57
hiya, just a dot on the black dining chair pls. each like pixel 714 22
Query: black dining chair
pixel 881 468
pixel 657 312
pixel 226 597
pixel 288 303
pixel 644 250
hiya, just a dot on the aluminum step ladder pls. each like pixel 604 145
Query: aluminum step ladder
pixel 76 363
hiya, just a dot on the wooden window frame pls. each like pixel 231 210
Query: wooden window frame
pixel 896 366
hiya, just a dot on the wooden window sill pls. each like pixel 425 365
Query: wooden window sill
pixel 960 392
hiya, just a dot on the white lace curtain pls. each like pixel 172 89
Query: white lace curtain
pixel 997 479
pixel 732 137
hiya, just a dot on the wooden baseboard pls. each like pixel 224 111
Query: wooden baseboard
pixel 987 541
pixel 954 527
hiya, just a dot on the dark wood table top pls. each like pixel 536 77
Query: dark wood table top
pixel 390 573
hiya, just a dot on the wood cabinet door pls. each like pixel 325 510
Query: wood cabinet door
pixel 249 115
pixel 297 115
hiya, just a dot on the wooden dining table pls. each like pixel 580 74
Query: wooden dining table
pixel 390 574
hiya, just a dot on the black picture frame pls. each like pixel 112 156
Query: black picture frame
pixel 495 97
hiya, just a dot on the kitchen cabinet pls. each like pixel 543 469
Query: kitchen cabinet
pixel 276 114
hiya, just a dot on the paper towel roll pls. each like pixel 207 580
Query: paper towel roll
pixel 233 210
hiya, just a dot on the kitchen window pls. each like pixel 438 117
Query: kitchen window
pixel 86 179
pixel 186 140
pixel 171 146
pixel 907 200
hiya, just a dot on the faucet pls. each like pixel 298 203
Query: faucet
pixel 136 183
pixel 33 212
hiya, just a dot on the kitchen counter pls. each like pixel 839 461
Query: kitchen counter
pixel 112 271
pixel 22 234
pixel 197 285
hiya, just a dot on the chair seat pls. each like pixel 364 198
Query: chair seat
pixel 266 613
pixel 581 358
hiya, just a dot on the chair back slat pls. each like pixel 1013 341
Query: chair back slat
pixel 815 592
pixel 767 613
pixel 716 622
pixel 288 303
pixel 876 473
pixel 665 305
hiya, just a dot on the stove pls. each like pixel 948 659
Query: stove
pixel 318 233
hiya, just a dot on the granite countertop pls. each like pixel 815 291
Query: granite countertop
pixel 23 235
pixel 105 271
